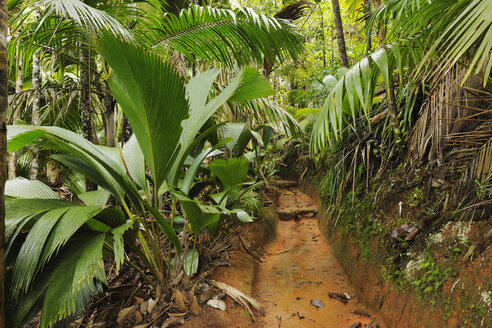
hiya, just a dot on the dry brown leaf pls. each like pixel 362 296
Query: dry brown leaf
pixel 188 297
pixel 195 307
pixel 172 321
pixel 145 325
pixel 240 297
pixel 208 294
pixel 151 305
pixel 123 314
pixel 143 307
pixel 138 317
pixel 180 301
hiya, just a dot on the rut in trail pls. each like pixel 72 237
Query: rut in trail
pixel 299 272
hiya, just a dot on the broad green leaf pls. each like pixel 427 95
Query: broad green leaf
pixel 190 262
pixel 96 197
pixel 155 117
pixel 199 215
pixel 232 131
pixel 23 188
pixel 242 215
pixel 230 172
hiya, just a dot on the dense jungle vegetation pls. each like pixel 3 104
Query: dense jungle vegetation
pixel 138 135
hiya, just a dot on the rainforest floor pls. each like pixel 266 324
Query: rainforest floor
pixel 296 277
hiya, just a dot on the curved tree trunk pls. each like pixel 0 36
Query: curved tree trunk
pixel 339 27
pixel 3 148
pixel 35 111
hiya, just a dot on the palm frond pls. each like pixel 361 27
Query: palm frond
pixel 56 265
pixel 229 36
pixel 24 188
pixel 154 116
pixel 84 15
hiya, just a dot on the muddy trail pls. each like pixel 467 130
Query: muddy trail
pixel 300 283
pixel 296 277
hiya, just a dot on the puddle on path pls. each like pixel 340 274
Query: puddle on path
pixel 299 267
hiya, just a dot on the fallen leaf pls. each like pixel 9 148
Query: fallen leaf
pixel 172 321
pixel 208 294
pixel 150 305
pixel 362 313
pixel 143 307
pixel 356 325
pixel 317 303
pixel 123 314
pixel 195 308
pixel 138 316
pixel 341 297
pixel 217 304
pixel 145 325
pixel 138 300
pixel 180 301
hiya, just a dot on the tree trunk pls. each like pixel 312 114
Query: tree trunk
pixel 17 111
pixel 367 13
pixel 323 37
pixel 340 38
pixel 109 104
pixel 382 30
pixel 3 148
pixel 35 111
pixel 126 131
pixel 86 103
pixel 393 110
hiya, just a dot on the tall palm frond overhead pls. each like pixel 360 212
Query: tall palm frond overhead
pixel 432 36
pixel 352 95
pixel 449 30
pixel 77 11
pixel 229 36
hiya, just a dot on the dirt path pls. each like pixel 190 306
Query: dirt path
pixel 298 273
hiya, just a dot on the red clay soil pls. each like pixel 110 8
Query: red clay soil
pixel 299 269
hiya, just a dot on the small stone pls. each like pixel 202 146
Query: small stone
pixel 317 303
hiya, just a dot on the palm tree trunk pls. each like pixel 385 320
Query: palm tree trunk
pixel 126 131
pixel 393 110
pixel 86 103
pixel 367 13
pixel 323 37
pixel 17 110
pixel 109 104
pixel 382 30
pixel 35 112
pixel 339 27
pixel 3 148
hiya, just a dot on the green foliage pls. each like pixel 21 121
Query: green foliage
pixel 58 263
pixel 431 277
pixel 229 36
pixel 155 116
